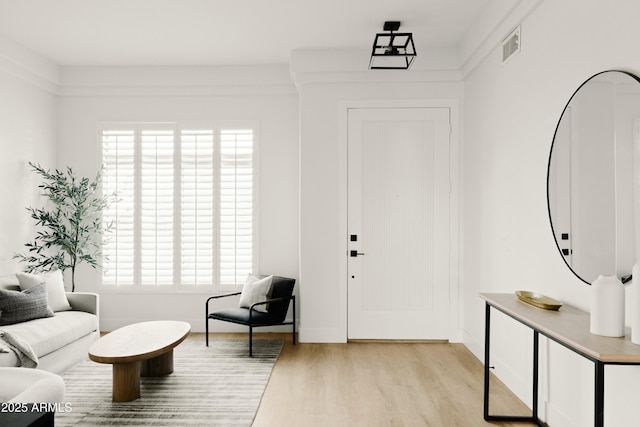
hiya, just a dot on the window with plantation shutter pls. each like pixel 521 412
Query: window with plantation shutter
pixel 184 218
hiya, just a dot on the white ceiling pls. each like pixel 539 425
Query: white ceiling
pixel 216 32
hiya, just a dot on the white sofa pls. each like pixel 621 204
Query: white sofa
pixel 30 386
pixel 24 391
pixel 60 341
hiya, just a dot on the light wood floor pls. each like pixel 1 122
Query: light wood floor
pixel 378 384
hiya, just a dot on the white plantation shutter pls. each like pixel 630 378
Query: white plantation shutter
pixel 197 208
pixel 156 207
pixel 185 217
pixel 236 205
pixel 118 159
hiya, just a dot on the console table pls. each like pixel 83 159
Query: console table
pixel 569 327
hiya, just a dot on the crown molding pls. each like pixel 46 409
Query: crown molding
pixel 29 67
pixel 377 76
pixel 177 81
pixel 21 63
pixel 177 90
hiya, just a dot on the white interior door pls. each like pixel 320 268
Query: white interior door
pixel 398 207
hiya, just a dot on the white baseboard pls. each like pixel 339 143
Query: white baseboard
pixel 457 336
pixel 322 335
pixel 473 346
pixel 556 417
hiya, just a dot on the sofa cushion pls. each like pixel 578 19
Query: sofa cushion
pixel 55 287
pixel 50 334
pixel 23 306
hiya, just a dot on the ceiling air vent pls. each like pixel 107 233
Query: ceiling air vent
pixel 511 45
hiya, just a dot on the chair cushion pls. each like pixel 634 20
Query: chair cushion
pixel 256 289
pixel 241 316
pixel 16 307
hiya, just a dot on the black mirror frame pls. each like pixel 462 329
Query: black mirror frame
pixel 553 141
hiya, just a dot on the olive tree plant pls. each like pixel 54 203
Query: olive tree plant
pixel 69 230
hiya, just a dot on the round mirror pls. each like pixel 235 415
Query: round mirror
pixel 591 190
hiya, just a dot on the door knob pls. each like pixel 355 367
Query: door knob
pixel 356 253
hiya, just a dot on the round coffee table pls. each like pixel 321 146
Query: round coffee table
pixel 141 349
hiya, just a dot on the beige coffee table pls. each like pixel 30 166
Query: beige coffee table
pixel 141 349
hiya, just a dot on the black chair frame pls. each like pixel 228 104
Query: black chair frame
pixel 251 323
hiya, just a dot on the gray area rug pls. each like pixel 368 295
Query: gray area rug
pixel 219 385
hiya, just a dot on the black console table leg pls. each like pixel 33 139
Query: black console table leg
pixel 504 418
pixel 534 404
pixel 599 394
pixel 487 341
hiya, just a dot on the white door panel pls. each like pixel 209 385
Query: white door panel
pixel 399 223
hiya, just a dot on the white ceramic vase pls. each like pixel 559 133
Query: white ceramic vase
pixel 607 306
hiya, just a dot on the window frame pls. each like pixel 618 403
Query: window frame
pixel 178 128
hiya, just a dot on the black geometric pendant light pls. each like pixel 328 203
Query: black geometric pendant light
pixel 391 50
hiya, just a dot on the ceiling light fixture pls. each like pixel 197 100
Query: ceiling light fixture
pixel 392 51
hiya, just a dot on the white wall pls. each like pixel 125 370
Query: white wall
pixel 265 94
pixel 511 111
pixel 27 133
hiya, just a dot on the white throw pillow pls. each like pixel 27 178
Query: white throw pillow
pixel 55 287
pixel 256 290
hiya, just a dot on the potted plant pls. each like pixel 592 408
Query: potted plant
pixel 68 231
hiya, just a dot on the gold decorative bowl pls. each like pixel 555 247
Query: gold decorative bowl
pixel 539 300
